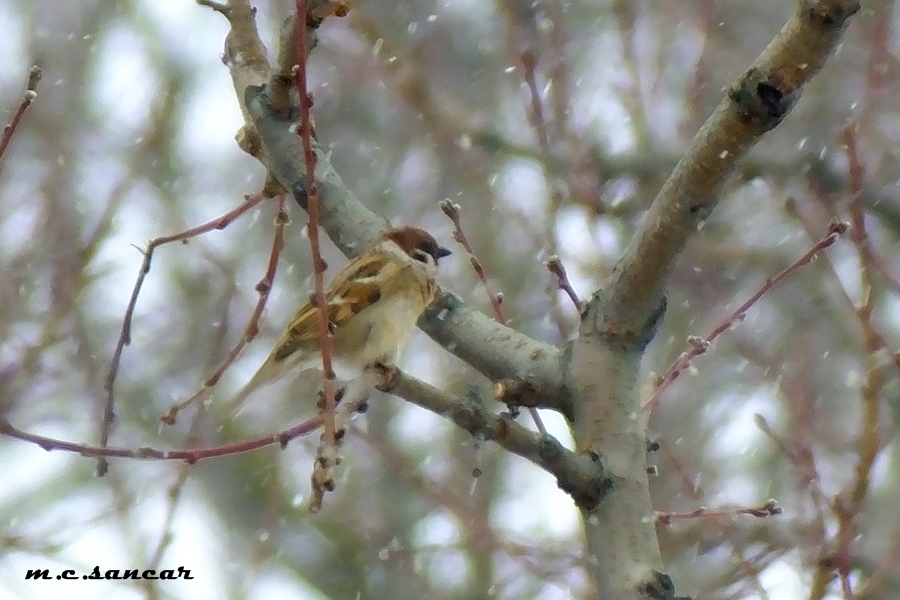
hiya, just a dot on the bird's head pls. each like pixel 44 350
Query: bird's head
pixel 417 243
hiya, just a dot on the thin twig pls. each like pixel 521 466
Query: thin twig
pixel 312 209
pixel 453 213
pixel 798 445
pixel 538 121
pixel 557 196
pixel 536 114
pixel 630 93
pixel 175 494
pixel 539 562
pixel 769 509
pixel 125 332
pixel 699 345
pixel 887 565
pixel 193 455
pixel 691 486
pixel 351 399
pixel 322 478
pixel 849 503
pixel 555 266
pixel 836 550
pixel 849 302
pixel 34 77
pixel 263 288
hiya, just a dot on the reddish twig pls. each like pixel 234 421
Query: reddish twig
pixel 630 92
pixel 263 288
pixel 849 302
pixel 312 209
pixel 797 446
pixel 846 505
pixel 453 213
pixel 538 121
pixel 849 503
pixel 555 183
pixel 174 495
pixel 858 233
pixel 691 486
pixel 190 456
pixel 175 492
pixel 322 479
pixel 769 509
pixel 887 566
pixel 536 114
pixel 440 494
pixel 125 332
pixel 555 266
pixel 699 345
pixel 31 83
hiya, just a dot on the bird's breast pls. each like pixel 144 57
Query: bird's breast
pixel 380 332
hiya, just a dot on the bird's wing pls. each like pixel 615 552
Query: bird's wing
pixel 359 285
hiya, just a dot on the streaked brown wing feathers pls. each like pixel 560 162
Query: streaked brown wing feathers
pixel 354 289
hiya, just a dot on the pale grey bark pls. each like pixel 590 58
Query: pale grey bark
pixel 605 360
pixel 599 373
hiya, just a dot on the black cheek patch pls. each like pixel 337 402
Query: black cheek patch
pixel 374 296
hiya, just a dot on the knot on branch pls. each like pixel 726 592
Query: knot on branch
pixel 583 476
pixel 258 100
pixel 444 304
pixel 633 339
pixel 762 98
pixel 473 418
pixel 830 15
pixel 517 393
pixel 659 586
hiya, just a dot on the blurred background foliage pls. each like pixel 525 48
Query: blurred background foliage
pixel 131 137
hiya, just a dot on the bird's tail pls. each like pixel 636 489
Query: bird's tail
pixel 267 373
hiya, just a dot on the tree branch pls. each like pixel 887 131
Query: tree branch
pixel 583 476
pixel 493 349
pixel 34 77
pixel 754 105
pixel 622 319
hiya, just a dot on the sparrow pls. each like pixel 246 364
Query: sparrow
pixel 372 306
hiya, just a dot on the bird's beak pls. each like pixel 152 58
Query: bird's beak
pixel 442 252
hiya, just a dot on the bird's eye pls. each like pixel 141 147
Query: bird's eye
pixel 420 256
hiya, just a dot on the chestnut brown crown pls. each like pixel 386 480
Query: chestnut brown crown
pixel 418 243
